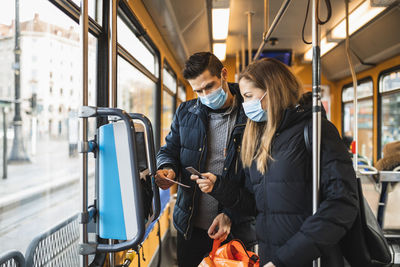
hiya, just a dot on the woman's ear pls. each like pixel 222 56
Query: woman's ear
pixel 264 102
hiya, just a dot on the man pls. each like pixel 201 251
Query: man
pixel 205 134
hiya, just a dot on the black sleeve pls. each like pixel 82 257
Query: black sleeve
pixel 233 196
pixel 168 156
pixel 337 210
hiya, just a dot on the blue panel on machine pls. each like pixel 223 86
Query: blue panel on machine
pixel 117 214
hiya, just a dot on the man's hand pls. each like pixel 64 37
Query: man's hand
pixel 220 228
pixel 160 178
pixel 206 185
pixel 269 264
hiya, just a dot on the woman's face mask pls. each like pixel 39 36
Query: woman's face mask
pixel 216 99
pixel 254 111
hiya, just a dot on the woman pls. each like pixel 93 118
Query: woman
pixel 279 168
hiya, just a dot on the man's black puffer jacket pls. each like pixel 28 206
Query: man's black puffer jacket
pixel 286 232
pixel 186 145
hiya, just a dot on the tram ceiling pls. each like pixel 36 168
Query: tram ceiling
pixel 376 42
pixel 288 31
pixel 183 24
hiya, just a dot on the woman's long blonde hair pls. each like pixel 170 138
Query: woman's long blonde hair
pixel 283 91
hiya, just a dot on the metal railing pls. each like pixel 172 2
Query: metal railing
pixel 56 247
pixel 12 259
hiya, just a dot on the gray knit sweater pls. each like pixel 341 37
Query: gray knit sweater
pixel 220 126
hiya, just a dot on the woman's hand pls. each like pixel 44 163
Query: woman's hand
pixel 269 264
pixel 206 185
pixel 220 228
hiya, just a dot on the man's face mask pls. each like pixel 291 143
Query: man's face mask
pixel 216 99
pixel 254 111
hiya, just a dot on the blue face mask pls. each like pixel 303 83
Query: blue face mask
pixel 214 100
pixel 254 111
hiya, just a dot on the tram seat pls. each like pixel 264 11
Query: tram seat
pixel 12 258
pixel 390 162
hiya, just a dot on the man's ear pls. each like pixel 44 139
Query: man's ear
pixel 224 74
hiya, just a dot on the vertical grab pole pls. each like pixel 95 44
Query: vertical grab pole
pixel 266 17
pixel 249 36
pixel 84 22
pixel 242 43
pixel 4 143
pixel 316 112
pixel 237 65
pixel 112 79
pixel 355 99
pixel 112 45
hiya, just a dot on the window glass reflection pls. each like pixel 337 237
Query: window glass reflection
pixel 390 118
pixel 51 94
pixel 135 47
pixel 365 123
pixel 390 81
pixel 169 80
pixel 182 93
pixel 364 89
pixel 167 114
pixel 94 9
pixel 136 92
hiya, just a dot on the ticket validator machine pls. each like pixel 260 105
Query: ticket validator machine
pixel 127 198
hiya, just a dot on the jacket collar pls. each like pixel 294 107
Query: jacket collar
pixel 302 111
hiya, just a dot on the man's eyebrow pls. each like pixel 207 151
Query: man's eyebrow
pixel 209 85
pixel 206 87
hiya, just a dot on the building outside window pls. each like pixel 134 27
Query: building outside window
pixel 389 97
pixel 49 134
pixel 365 117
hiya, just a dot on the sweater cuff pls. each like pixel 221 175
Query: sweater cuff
pixel 168 166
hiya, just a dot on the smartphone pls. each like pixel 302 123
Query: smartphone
pixel 195 172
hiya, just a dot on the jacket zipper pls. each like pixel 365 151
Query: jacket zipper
pixel 237 159
pixel 236 163
pixel 194 193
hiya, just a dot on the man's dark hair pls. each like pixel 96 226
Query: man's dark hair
pixel 199 62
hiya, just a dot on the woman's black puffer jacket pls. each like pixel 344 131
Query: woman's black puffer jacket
pixel 287 232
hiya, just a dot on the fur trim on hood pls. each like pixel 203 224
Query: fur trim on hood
pixel 391 157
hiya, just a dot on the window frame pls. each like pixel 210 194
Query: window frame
pixel 168 68
pixel 180 83
pixel 380 94
pixel 131 21
pixel 128 16
pixel 73 11
pixel 365 98
pixel 363 80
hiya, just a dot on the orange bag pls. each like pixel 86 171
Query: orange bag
pixel 232 254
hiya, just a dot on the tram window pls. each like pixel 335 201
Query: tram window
pixel 364 89
pixel 127 38
pixel 136 92
pixel 182 92
pixel 169 79
pixel 389 88
pixel 365 117
pixel 49 131
pixel 94 9
pixel 167 114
